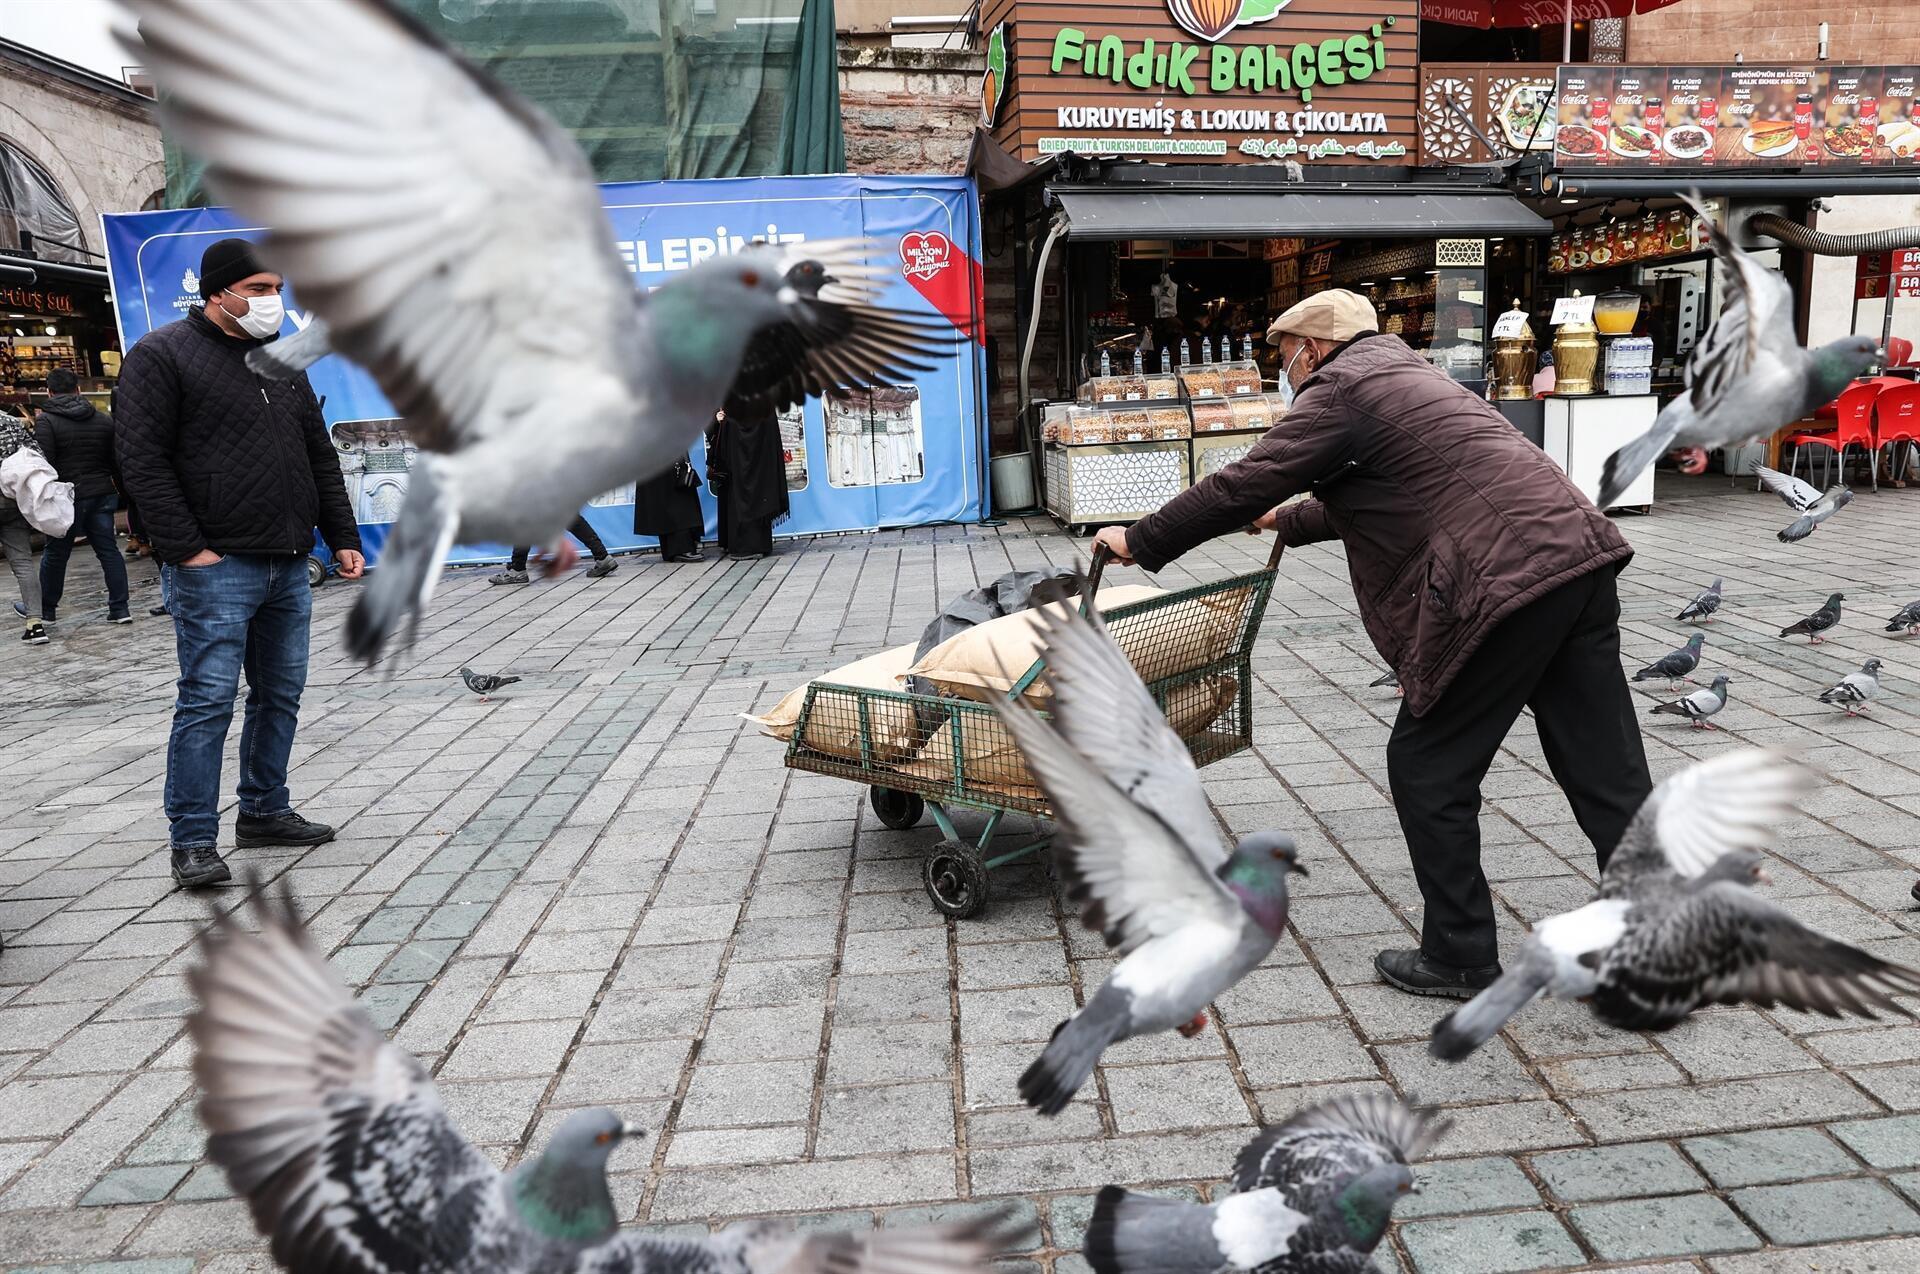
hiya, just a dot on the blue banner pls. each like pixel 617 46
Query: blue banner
pixel 905 455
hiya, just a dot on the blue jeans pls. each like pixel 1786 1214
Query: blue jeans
pixel 244 611
pixel 93 518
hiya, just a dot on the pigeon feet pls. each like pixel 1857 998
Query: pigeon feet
pixel 1194 1027
pixel 563 559
pixel 1692 460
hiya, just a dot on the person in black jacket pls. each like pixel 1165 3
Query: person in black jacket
pixel 77 439
pixel 746 469
pixel 231 472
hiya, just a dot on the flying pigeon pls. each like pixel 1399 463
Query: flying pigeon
pixel 1746 379
pixel 1813 625
pixel 1676 924
pixel 1699 705
pixel 1674 666
pixel 349 1163
pixel 1142 854
pixel 1853 690
pixel 1388 678
pixel 1310 1196
pixel 1907 617
pixel 484 683
pixel 1813 505
pixel 1704 604
pixel 407 194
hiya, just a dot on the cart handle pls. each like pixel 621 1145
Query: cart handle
pixel 1273 558
pixel 1101 556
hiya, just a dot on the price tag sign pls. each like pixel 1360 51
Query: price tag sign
pixel 1573 309
pixel 1509 324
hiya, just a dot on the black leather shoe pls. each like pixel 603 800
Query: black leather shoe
pixel 199 867
pixel 1411 971
pixel 252 831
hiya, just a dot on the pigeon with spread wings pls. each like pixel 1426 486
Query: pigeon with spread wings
pixel 450 238
pixel 1677 926
pixel 349 1163
pixel 1142 854
pixel 1812 504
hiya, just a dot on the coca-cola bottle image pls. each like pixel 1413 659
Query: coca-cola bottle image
pixel 1600 116
pixel 1803 116
pixel 1709 116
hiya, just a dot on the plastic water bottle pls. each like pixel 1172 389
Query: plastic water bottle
pixel 1166 363
pixel 1246 347
pixel 1139 362
pixel 1206 349
pixel 1106 363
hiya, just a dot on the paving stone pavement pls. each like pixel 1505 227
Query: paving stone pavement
pixel 603 887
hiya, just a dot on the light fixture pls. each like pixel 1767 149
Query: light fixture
pixel 1396 278
pixel 1496 241
pixel 1569 201
pixel 52 331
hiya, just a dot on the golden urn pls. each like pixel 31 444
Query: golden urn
pixel 1513 361
pixel 1576 355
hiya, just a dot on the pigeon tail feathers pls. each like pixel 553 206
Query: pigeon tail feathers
pixel 400 585
pixel 285 359
pixel 1801 528
pixel 1140 1234
pixel 1069 1057
pixel 1479 1019
pixel 1630 461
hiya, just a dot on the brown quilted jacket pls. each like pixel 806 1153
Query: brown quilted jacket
pixel 1452 520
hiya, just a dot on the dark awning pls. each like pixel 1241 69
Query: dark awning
pixel 1133 213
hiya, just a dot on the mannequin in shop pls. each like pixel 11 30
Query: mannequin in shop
pixel 1166 294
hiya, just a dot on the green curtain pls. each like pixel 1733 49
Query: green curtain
pixel 649 88
pixel 811 138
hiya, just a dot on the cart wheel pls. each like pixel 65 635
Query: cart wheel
pixel 316 573
pixel 956 879
pixel 898 810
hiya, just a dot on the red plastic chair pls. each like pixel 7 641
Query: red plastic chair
pixel 1896 420
pixel 1899 352
pixel 1853 416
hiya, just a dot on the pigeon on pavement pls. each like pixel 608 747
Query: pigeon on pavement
pixel 1673 666
pixel 484 683
pixel 350 1164
pixel 1853 690
pixel 1907 617
pixel 1142 854
pixel 1699 705
pixel 1388 678
pixel 1312 1195
pixel 1813 625
pixel 1747 378
pixel 1703 605
pixel 1676 924
pixel 1813 505
pixel 408 211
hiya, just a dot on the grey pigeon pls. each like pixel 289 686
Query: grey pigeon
pixel 1673 666
pixel 1854 690
pixel 1142 855
pixel 1703 605
pixel 1746 379
pixel 1907 617
pixel 1312 1195
pixel 349 1163
pixel 1388 678
pixel 1813 505
pixel 484 683
pixel 1676 924
pixel 450 237
pixel 1813 625
pixel 1699 705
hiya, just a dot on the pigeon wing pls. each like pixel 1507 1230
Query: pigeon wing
pixel 1729 802
pixel 334 1137
pixel 1344 1135
pixel 1797 495
pixel 1750 325
pixel 774 1247
pixel 403 189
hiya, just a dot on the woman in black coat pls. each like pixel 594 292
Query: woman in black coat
pixel 668 506
pixel 746 467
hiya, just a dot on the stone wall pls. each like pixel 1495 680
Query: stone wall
pixel 100 144
pixel 908 110
pixel 1712 31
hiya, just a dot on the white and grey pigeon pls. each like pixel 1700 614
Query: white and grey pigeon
pixel 1907 617
pixel 1813 625
pixel 1388 678
pixel 1812 504
pixel 1674 666
pixel 1703 605
pixel 349 1163
pixel 484 683
pixel 1142 855
pixel 1854 690
pixel 450 237
pixel 1312 1195
pixel 1746 378
pixel 1676 924
pixel 1699 705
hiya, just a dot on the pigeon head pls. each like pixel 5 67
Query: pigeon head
pixel 1738 867
pixel 563 1194
pixel 1837 363
pixel 1871 667
pixel 1696 641
pixel 1257 874
pixel 1836 598
pixel 1364 1205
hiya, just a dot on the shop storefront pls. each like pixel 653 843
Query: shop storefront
pixel 52 321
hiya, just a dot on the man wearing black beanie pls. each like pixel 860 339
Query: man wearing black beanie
pixel 231 472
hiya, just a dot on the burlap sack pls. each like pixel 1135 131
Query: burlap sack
pixel 834 727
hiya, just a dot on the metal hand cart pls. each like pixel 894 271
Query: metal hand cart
pixel 919 753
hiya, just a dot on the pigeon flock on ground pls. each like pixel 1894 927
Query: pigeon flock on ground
pixel 405 210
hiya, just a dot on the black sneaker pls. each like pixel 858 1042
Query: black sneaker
pixel 36 634
pixel 508 577
pixel 199 866
pixel 158 610
pixel 602 568
pixel 252 831
pixel 119 617
pixel 1411 971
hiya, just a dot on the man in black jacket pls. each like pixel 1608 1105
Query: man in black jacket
pixel 77 439
pixel 231 472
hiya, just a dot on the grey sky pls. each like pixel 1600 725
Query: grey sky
pixel 78 31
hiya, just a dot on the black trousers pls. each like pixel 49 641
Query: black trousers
pixel 579 531
pixel 1560 656
pixel 678 544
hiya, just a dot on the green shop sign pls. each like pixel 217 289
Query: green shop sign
pixel 1175 66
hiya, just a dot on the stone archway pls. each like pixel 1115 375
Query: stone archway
pixel 26 136
pixel 139 191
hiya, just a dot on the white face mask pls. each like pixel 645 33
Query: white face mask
pixel 263 315
pixel 1286 377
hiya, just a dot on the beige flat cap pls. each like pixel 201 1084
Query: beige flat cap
pixel 1333 315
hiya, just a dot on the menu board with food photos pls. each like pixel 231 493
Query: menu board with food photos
pixel 1738 116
